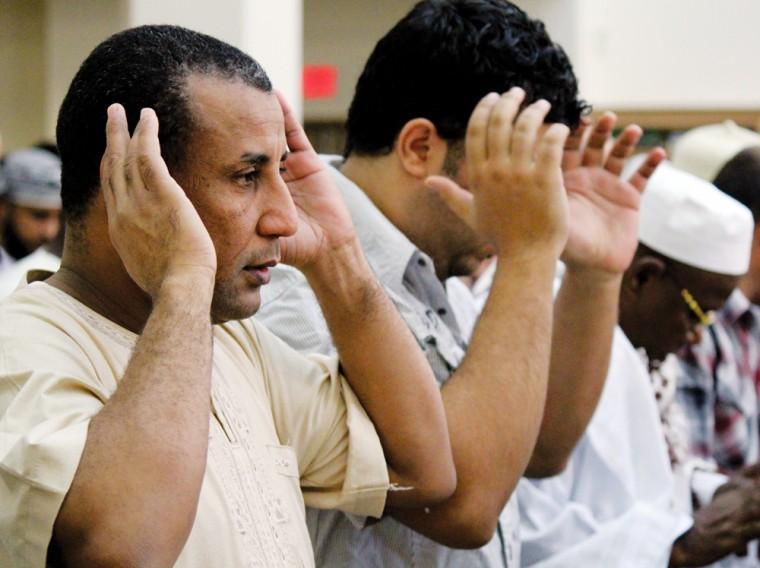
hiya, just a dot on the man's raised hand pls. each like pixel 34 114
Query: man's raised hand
pixel 516 197
pixel 152 224
pixel 324 222
pixel 603 207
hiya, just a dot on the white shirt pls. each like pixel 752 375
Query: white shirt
pixel 13 273
pixel 6 260
pixel 613 505
pixel 617 504
pixel 290 310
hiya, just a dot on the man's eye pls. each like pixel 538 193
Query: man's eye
pixel 250 177
pixel 283 170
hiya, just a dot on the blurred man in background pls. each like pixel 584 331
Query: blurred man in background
pixel 30 213
pixel 721 373
pixel 32 202
pixel 619 503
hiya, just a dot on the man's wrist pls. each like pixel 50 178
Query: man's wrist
pixel 595 279
pixel 196 283
pixel 343 275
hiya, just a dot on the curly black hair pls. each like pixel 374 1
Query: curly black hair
pixel 443 57
pixel 146 66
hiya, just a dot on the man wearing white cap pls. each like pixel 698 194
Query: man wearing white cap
pixel 31 203
pixel 718 386
pixel 618 502
pixel 30 207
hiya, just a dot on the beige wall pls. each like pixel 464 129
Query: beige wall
pixel 650 54
pixel 43 42
pixel 343 33
pixel 74 28
pixel 643 54
pixel 22 72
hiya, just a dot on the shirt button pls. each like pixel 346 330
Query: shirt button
pixel 441 311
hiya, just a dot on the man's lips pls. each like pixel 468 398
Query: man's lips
pixel 259 273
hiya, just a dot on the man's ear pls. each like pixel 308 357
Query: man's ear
pixel 420 150
pixel 643 271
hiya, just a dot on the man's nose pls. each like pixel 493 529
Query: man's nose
pixel 279 217
pixel 49 228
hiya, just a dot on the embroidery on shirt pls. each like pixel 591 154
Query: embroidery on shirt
pixel 247 473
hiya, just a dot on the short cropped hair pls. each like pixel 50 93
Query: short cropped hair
pixel 141 67
pixel 443 57
pixel 740 178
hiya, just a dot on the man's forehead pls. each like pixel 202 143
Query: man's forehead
pixel 231 105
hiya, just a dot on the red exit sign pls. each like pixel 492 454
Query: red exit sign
pixel 320 81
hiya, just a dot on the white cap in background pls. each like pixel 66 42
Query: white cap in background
pixel 703 151
pixel 690 220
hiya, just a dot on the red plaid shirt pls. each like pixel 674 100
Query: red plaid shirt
pixel 718 388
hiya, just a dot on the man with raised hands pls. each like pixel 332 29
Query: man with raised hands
pixel 407 127
pixel 145 421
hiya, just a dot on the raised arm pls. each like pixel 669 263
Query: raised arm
pixel 603 239
pixel 134 496
pixel 494 401
pixel 378 354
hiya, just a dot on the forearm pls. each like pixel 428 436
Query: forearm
pixel 135 492
pixel 494 402
pixel 389 374
pixel 585 315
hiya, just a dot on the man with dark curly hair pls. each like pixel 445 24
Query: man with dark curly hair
pixel 409 153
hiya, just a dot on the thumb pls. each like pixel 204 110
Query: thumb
pixel 458 199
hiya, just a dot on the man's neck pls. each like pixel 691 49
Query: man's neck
pixel 380 180
pixel 397 195
pixel 750 288
pixel 103 285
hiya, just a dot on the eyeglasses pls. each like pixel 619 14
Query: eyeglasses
pixel 704 318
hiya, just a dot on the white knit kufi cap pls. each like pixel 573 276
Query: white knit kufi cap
pixel 705 150
pixel 690 220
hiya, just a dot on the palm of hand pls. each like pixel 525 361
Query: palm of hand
pixel 603 219
pixel 323 220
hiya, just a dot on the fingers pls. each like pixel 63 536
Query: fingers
pixel 476 137
pixel 641 176
pixel 526 131
pixel 502 122
pixel 133 164
pixel 594 152
pixel 751 471
pixel 550 149
pixel 112 181
pixel 294 134
pixel 623 149
pixel 153 173
pixel 571 157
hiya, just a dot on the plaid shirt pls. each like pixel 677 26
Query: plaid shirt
pixel 718 388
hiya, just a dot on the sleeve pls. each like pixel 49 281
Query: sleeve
pixel 341 460
pixel 46 403
pixel 556 531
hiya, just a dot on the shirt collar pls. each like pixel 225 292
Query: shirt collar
pixel 6 260
pixel 736 306
pixel 387 249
